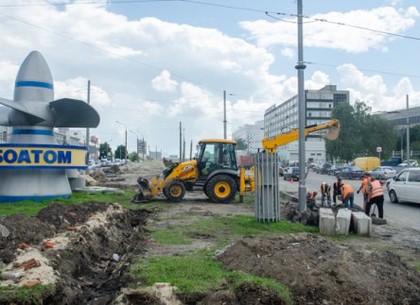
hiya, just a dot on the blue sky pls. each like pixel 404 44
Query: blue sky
pixel 153 64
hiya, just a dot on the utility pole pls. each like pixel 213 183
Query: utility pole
pixel 224 115
pixel 300 67
pixel 191 149
pixel 180 142
pixel 87 129
pixel 408 132
pixel 143 148
pixel 126 152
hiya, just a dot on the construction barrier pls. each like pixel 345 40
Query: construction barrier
pixel 267 201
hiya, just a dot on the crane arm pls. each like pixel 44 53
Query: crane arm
pixel 271 144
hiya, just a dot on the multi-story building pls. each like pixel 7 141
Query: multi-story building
pixel 284 117
pixel 252 134
pixel 401 119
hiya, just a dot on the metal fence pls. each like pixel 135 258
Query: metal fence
pixel 267 201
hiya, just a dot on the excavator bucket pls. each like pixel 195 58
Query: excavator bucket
pixel 143 192
pixel 333 132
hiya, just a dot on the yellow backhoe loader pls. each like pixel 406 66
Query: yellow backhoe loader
pixel 214 170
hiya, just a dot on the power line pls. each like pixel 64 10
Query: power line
pixel 364 69
pixel 364 28
pixel 266 12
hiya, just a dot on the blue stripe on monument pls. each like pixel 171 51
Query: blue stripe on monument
pixel 33 131
pixel 26 83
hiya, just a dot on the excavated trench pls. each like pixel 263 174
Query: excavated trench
pixel 84 251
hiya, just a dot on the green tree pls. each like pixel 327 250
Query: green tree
pixel 133 156
pixel 241 144
pixel 120 152
pixel 105 151
pixel 360 133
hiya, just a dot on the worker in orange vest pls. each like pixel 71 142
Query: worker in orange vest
pixel 347 194
pixel 364 188
pixel 311 199
pixel 375 196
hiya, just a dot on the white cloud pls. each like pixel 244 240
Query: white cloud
pixel 288 52
pixel 152 74
pixel 163 82
pixel 333 36
pixel 375 92
pixel 317 81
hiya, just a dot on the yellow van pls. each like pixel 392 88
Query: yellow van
pixel 367 163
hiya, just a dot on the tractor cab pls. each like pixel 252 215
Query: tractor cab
pixel 216 154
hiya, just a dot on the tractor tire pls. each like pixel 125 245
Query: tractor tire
pixel 221 189
pixel 174 191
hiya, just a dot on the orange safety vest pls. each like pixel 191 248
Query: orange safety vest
pixel 376 189
pixel 311 195
pixel 346 189
pixel 365 183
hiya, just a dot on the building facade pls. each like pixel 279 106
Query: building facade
pixel 282 118
pixel 401 119
pixel 252 134
pixel 402 116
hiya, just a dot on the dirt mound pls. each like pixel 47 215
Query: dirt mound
pixel 125 175
pixel 318 271
pixel 92 245
pixel 22 229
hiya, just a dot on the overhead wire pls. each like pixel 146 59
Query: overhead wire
pixel 266 12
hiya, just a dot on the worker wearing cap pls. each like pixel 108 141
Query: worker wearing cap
pixel 375 196
pixel 336 190
pixel 347 194
pixel 325 194
pixel 311 199
pixel 364 188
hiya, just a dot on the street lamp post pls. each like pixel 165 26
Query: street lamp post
pixel 126 155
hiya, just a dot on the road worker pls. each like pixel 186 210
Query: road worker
pixel 375 196
pixel 364 188
pixel 336 190
pixel 311 199
pixel 347 194
pixel 325 194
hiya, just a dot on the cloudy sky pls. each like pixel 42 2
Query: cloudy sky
pixel 154 64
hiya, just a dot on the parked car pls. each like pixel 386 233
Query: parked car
pixel 408 163
pixel 383 172
pixel 281 170
pixel 292 173
pixel 394 161
pixel 405 186
pixel 335 169
pixel 324 168
pixel 351 172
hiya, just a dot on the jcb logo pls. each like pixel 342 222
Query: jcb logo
pixel 187 168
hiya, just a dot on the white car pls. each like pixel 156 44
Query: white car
pixel 405 186
pixel 383 172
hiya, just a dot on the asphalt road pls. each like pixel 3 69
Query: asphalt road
pixel 402 214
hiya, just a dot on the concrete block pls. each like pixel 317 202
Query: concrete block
pixel 77 183
pixel 362 223
pixel 326 221
pixel 343 221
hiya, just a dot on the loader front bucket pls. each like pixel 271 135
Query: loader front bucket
pixel 333 132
